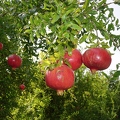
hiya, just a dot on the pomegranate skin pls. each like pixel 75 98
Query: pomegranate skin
pixel 1 46
pixel 96 59
pixel 22 86
pixel 60 79
pixel 75 59
pixel 14 61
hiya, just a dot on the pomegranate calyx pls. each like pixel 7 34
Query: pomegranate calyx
pixel 60 92
pixel 93 71
pixel 13 68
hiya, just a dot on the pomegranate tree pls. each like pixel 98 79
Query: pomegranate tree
pixel 1 46
pixel 60 78
pixel 96 59
pixel 14 61
pixel 74 60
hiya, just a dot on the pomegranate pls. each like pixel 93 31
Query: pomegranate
pixel 75 59
pixel 1 46
pixel 60 78
pixel 14 61
pixel 96 59
pixel 22 86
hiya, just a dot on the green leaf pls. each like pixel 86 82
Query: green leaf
pixel 93 36
pixel 31 37
pixel 76 27
pixel 86 4
pixel 38 34
pixel 116 74
pixel 64 27
pixel 42 30
pixel 72 38
pixel 66 35
pixel 77 20
pixel 104 45
pixel 83 38
pixel 66 13
pixel 31 20
pixel 28 31
pixel 37 20
pixel 55 18
pixel 117 2
pixel 116 22
pixel 102 3
pixel 110 42
pixel 118 66
pixel 111 27
pixel 105 75
pixel 105 34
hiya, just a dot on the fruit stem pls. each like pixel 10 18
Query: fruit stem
pixel 13 68
pixel 60 92
pixel 93 71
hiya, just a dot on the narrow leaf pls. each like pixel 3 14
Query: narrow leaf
pixel 75 26
pixel 86 4
pixel 117 21
pixel 83 38
pixel 117 2
pixel 105 34
pixel 111 27
pixel 116 74
pixel 55 18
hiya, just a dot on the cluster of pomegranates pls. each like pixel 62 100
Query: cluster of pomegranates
pixel 14 61
pixel 62 78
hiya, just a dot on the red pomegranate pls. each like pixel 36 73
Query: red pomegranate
pixel 14 61
pixel 60 78
pixel 1 46
pixel 96 59
pixel 75 59
pixel 22 86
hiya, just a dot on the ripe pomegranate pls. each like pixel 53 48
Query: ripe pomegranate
pixel 60 78
pixel 75 59
pixel 1 46
pixel 96 59
pixel 22 86
pixel 14 61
